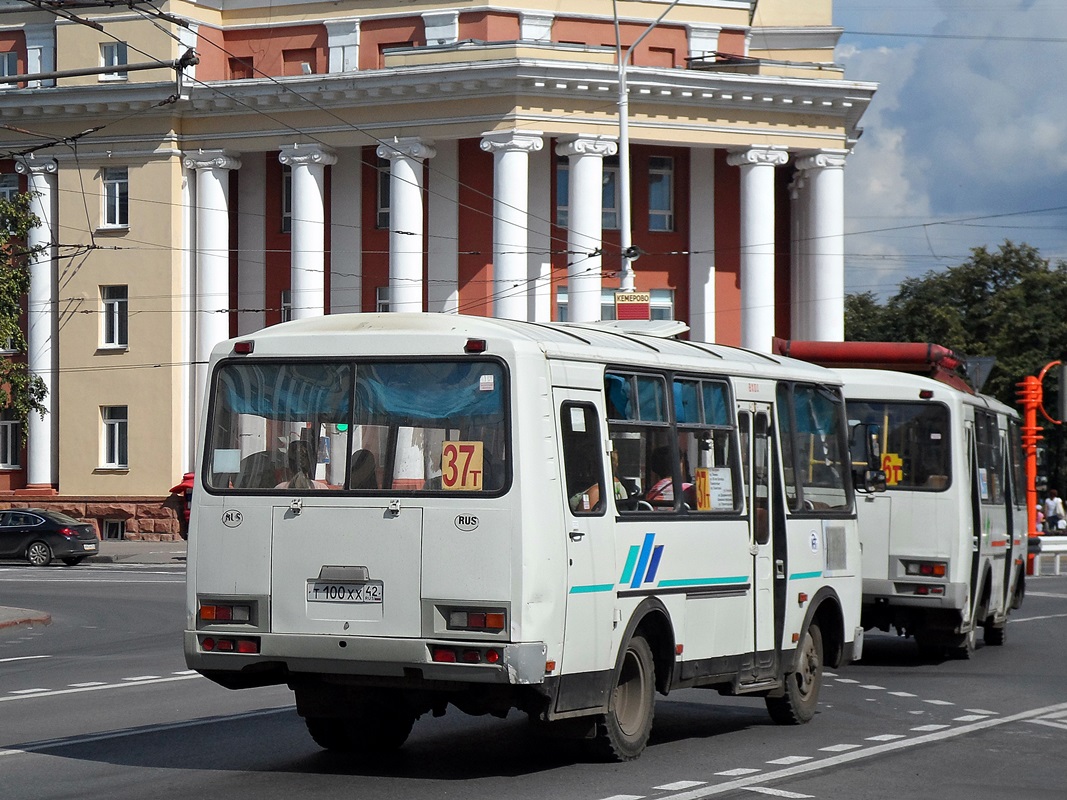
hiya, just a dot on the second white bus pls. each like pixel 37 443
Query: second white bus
pixel 400 512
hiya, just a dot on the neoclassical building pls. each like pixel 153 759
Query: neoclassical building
pixel 204 169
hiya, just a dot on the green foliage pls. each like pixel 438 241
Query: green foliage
pixel 1010 304
pixel 20 392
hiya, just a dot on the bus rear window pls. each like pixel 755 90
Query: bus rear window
pixel 305 426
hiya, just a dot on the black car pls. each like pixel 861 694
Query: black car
pixel 39 535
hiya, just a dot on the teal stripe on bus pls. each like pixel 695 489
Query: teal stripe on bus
pixel 799 576
pixel 631 562
pixel 702 581
pixel 592 588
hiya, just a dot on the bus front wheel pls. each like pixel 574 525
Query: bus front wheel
pixel 801 696
pixel 622 733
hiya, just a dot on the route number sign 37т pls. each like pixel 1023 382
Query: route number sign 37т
pixel 327 592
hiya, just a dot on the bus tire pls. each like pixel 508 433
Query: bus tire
pixel 963 646
pixel 389 728
pixel 330 733
pixel 622 733
pixel 995 634
pixel 797 704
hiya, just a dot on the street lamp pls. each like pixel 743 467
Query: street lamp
pixel 628 251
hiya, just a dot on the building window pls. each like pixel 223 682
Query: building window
pixel 609 194
pixel 9 65
pixel 298 62
pixel 242 68
pixel 661 305
pixel 661 194
pixel 287 305
pixel 113 54
pixel 381 299
pixel 116 444
pixel 383 194
pixel 116 197
pixel 9 187
pixel 10 443
pixel 114 528
pixel 115 301
pixel 287 198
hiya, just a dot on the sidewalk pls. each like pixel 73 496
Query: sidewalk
pixel 111 552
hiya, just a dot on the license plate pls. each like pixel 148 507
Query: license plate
pixel 89 546
pixel 327 592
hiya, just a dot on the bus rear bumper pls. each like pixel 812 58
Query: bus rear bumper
pixel 915 594
pixel 403 660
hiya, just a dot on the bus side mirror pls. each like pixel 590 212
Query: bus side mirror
pixel 865 446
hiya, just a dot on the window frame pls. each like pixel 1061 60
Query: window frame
pixel 114 440
pixel 10 444
pixel 114 54
pixel 383 194
pixel 115 318
pixel 287 199
pixel 9 65
pixel 116 197
pixel 654 213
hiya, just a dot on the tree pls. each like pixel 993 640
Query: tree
pixel 21 393
pixel 1009 304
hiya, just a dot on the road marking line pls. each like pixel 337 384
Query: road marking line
pixel 143 678
pixel 1037 619
pixel 846 680
pixel 872 686
pixel 673 787
pixel 866 752
pixel 970 718
pixel 841 748
pixel 56 692
pixel 981 711
pixel 1051 723
pixel 87 683
pixel 624 797
pixel 791 760
pixel 885 737
pixel 22 658
pixel 29 691
pixel 926 728
pixel 776 792
pixel 34 747
pixel 737 773
pixel 903 694
pixel 185 672
pixel 939 702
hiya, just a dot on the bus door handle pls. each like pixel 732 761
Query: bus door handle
pixel 576 535
pixel 779 568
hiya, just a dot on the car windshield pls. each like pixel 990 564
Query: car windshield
pixel 405 426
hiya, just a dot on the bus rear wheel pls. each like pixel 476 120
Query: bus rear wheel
pixel 622 733
pixel 376 727
pixel 995 634
pixel 801 696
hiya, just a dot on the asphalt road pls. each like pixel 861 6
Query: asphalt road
pixel 99 704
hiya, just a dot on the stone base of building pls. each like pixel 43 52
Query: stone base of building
pixel 148 519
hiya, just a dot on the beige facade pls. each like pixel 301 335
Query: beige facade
pixel 714 81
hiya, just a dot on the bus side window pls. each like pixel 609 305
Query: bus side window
pixel 583 459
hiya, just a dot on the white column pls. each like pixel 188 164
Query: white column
pixel 757 244
pixel 346 232
pixel 42 443
pixel 252 245
pixel 511 209
pixel 798 257
pixel 308 243
pixel 585 208
pixel 405 220
pixel 826 244
pixel 702 245
pixel 212 256
pixel 539 261
pixel 342 39
pixel 442 248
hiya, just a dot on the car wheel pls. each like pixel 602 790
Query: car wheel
pixel 72 561
pixel 39 554
pixel 801 696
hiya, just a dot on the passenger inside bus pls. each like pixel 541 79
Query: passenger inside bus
pixel 362 471
pixel 661 479
pixel 298 468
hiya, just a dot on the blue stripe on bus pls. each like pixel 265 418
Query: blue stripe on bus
pixel 592 588
pixel 799 576
pixel 642 560
pixel 654 564
pixel 740 579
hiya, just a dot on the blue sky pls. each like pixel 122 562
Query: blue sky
pixel 965 143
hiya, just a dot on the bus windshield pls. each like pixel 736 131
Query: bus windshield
pixel 401 426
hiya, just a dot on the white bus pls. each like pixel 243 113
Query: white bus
pixel 944 548
pixel 398 512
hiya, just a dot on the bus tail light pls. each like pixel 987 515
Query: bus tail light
pixel 465 655
pixel 210 644
pixel 470 619
pixel 225 613
pixel 926 569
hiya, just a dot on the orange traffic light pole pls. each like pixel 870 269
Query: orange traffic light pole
pixel 1031 398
